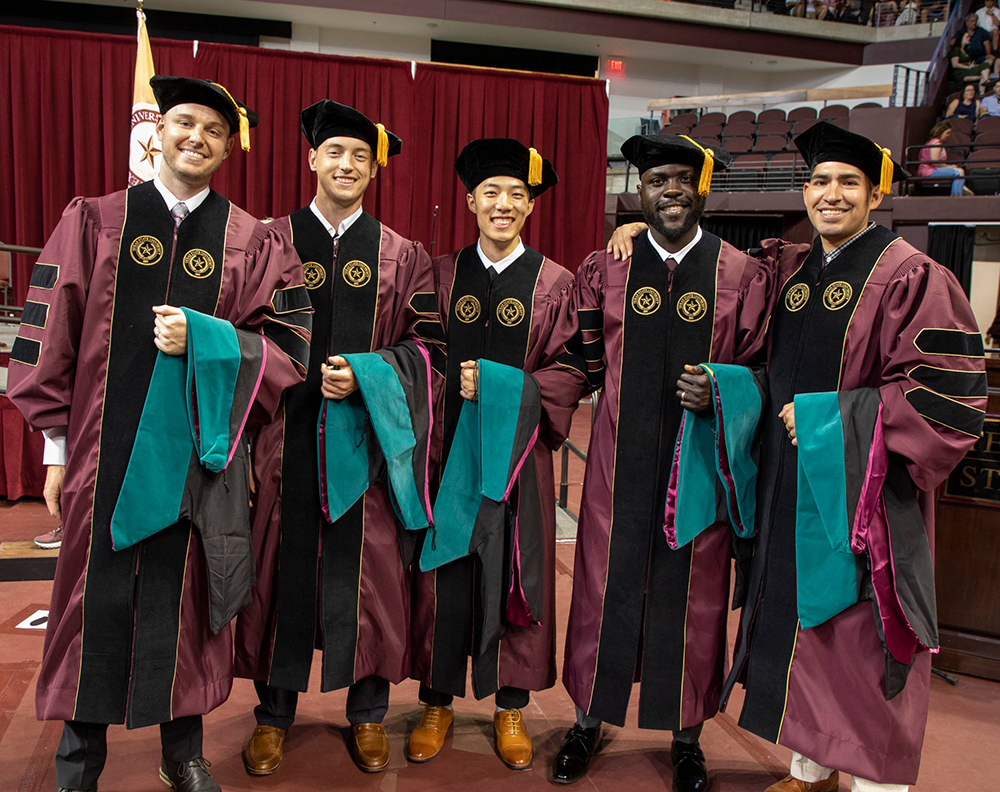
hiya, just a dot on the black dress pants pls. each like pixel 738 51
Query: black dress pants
pixel 505 697
pixel 367 702
pixel 83 749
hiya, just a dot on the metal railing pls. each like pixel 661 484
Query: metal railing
pixel 569 447
pixel 852 12
pixel 909 87
pixel 9 313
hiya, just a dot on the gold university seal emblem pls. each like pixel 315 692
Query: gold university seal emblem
pixel 146 250
pixel 797 297
pixel 467 309
pixel 357 273
pixel 691 307
pixel 646 300
pixel 198 263
pixel 313 274
pixel 837 295
pixel 510 312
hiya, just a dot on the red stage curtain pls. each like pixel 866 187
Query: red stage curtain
pixel 564 118
pixel 64 132
pixel 21 471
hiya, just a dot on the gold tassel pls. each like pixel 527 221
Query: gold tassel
pixel 707 167
pixel 244 120
pixel 534 168
pixel 885 181
pixel 244 130
pixel 382 154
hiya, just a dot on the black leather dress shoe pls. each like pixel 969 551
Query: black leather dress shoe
pixel 690 774
pixel 190 776
pixel 67 789
pixel 574 757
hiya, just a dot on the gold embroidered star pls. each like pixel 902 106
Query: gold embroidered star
pixel 149 151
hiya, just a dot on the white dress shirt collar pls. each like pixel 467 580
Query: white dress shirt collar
pixel 172 200
pixel 346 223
pixel 503 263
pixel 680 254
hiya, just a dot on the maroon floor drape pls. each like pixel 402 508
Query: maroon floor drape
pixel 64 132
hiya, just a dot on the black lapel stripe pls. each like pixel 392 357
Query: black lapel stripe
pixel 490 320
pixel 691 335
pixel 466 328
pixel 945 342
pixel 947 412
pixel 195 282
pixel 343 544
pixel 355 287
pixel 950 382
pixel 301 517
pixel 157 629
pixel 108 592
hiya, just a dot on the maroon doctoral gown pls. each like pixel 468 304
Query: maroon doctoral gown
pixel 515 320
pixel 128 636
pixel 881 316
pixel 342 588
pixel 640 610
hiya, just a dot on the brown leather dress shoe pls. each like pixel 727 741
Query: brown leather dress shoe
pixel 264 751
pixel 371 747
pixel 428 736
pixel 791 784
pixel 513 742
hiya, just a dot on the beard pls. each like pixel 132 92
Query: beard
pixel 654 221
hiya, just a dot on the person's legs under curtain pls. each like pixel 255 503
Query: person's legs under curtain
pixel 81 754
pixel 277 706
pixel 511 698
pixel 368 700
pixel 181 739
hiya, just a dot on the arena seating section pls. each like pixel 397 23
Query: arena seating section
pixel 764 156
pixel 974 146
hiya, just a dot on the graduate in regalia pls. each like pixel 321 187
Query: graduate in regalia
pixel 877 388
pixel 642 611
pixel 342 587
pixel 503 302
pixel 134 635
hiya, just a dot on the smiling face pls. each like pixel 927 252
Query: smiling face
pixel 670 202
pixel 501 205
pixel 839 198
pixel 195 140
pixel 344 168
pixel 969 94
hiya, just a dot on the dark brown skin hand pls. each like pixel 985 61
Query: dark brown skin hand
pixel 694 389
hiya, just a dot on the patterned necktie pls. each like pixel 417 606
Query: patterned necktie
pixel 179 212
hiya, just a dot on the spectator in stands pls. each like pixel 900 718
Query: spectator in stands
pixel 990 106
pixel 964 106
pixel 910 13
pixel 843 11
pixel 965 70
pixel 883 14
pixel 976 42
pixel 988 18
pixel 934 152
pixel 810 9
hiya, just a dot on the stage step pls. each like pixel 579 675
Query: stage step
pixel 25 561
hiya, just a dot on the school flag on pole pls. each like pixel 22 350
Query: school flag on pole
pixel 143 147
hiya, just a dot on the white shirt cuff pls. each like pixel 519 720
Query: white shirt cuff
pixel 54 452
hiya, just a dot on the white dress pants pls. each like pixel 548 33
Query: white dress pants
pixel 806 769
